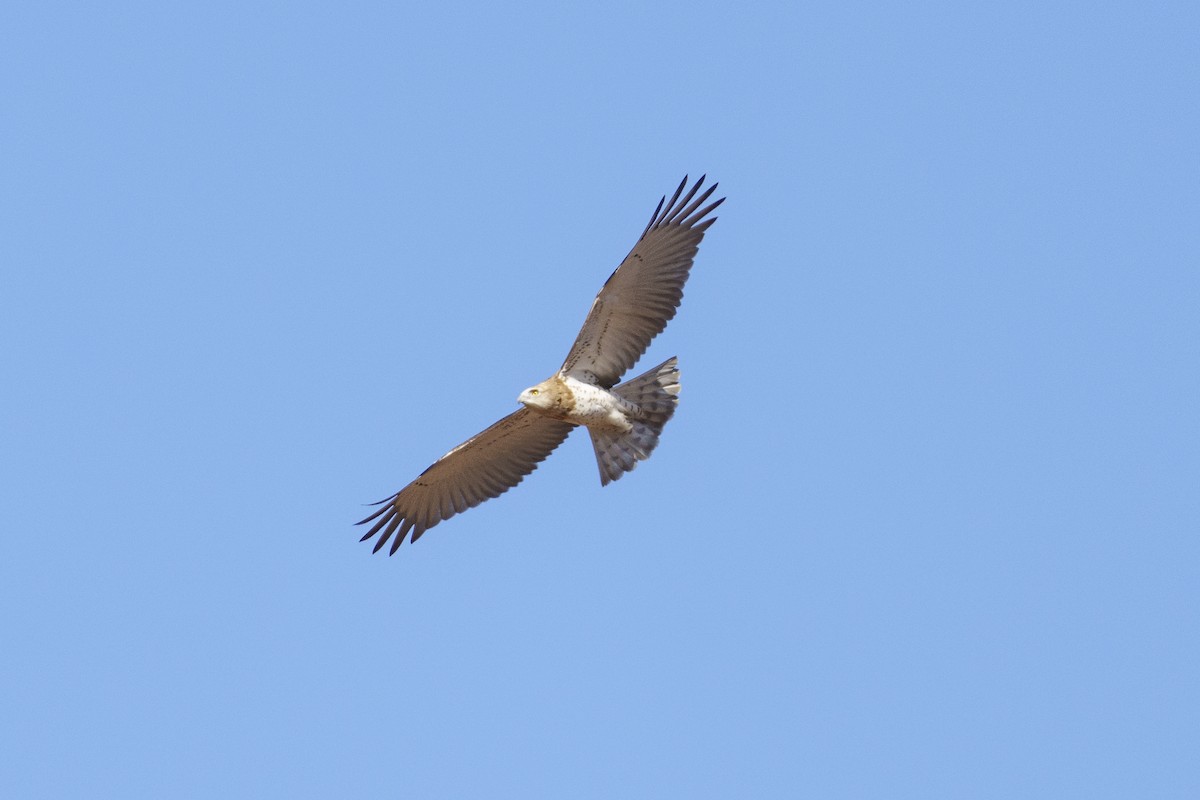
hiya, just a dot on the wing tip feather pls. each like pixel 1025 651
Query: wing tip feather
pixel 694 220
pixel 680 210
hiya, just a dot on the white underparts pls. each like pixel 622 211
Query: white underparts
pixel 599 408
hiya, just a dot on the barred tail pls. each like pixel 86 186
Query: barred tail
pixel 655 395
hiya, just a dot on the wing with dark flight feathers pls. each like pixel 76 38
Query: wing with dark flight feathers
pixel 641 295
pixel 483 467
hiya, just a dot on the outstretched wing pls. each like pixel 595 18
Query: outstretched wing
pixel 480 468
pixel 642 294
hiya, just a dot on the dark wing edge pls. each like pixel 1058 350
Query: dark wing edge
pixel 675 210
pixel 671 238
pixel 485 466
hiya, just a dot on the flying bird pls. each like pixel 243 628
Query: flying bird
pixel 623 419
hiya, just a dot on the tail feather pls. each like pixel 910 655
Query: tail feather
pixel 655 393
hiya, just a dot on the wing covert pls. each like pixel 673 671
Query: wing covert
pixel 642 294
pixel 483 467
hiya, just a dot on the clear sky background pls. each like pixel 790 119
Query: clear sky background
pixel 926 524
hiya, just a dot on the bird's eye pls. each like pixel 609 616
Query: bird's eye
pixel 533 391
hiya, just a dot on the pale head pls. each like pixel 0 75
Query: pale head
pixel 551 396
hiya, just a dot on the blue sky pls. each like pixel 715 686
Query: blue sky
pixel 925 524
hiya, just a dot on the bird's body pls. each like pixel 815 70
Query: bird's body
pixel 571 400
pixel 623 419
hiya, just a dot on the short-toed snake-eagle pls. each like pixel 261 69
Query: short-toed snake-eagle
pixel 624 419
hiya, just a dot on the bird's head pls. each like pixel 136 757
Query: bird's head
pixel 551 396
pixel 539 397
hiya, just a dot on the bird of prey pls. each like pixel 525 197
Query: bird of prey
pixel 624 419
